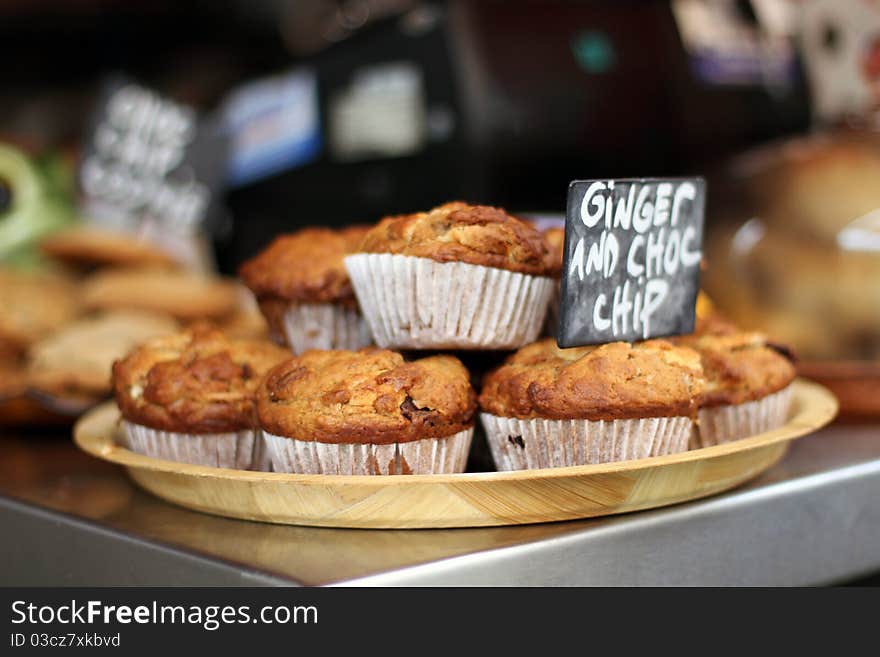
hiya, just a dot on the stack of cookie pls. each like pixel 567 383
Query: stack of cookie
pixel 459 279
pixel 60 332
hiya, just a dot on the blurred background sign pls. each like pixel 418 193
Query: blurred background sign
pixel 841 47
pixel 733 42
pixel 152 167
pixel 274 125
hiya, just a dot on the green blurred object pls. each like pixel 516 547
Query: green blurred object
pixel 34 200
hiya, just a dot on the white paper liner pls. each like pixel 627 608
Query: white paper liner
pixel 325 326
pixel 427 456
pixel 537 443
pixel 721 424
pixel 262 460
pixel 418 303
pixel 240 450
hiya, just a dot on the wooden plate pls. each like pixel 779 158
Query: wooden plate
pixel 459 500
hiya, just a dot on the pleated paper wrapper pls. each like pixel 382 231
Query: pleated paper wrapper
pixel 417 303
pixel 325 326
pixel 538 443
pixel 721 424
pixel 239 450
pixel 427 456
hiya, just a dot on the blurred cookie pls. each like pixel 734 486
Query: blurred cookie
pixel 86 247
pixel 77 360
pixel 245 325
pixel 13 382
pixel 33 305
pixel 184 295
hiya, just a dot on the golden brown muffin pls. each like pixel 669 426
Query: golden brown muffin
pixel 819 183
pixel 608 382
pixel 33 305
pixel 458 232
pixel 76 360
pixel 555 238
pixel 196 381
pixel 369 396
pixel 184 295
pixel 794 258
pixel 87 246
pixel 304 267
pixel 739 367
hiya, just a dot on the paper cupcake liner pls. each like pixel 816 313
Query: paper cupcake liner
pixel 418 303
pixel 721 424
pixel 262 460
pixel 427 456
pixel 532 444
pixel 239 450
pixel 325 326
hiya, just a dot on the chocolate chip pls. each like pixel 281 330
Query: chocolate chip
pixel 411 411
pixel 517 440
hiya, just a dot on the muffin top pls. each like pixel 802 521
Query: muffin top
pixel 305 266
pixel 739 366
pixel 458 232
pixel 195 381
pixel 368 396
pixel 555 238
pixel 612 381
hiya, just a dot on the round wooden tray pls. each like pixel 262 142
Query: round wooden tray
pixel 459 500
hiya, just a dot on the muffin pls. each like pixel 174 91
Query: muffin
pixel 189 397
pixel 555 238
pixel 184 295
pixel 367 412
pixel 748 384
pixel 549 407
pixel 75 361
pixel 303 290
pixel 457 277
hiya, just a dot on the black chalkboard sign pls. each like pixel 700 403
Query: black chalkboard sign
pixel 149 158
pixel 632 259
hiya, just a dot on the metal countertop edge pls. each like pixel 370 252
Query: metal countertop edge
pixel 453 571
pixel 156 563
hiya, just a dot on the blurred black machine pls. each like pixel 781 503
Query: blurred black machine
pixel 343 111
pixel 409 104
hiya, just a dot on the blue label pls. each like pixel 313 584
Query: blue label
pixel 274 125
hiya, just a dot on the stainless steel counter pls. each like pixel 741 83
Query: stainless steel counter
pixel 812 519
